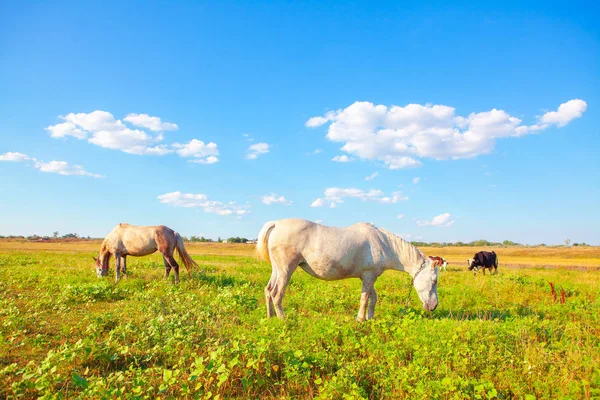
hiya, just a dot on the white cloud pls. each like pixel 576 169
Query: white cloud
pixel 14 156
pixel 63 168
pixel 372 176
pixel 400 216
pixel 202 152
pixel 416 180
pixel 318 121
pixel 405 236
pixel 343 159
pixel 318 203
pixel 257 149
pixel 199 200
pixel 207 160
pixel 153 123
pixel 400 136
pixel 442 220
pixel 66 129
pixel 274 199
pixel 566 112
pixel 102 129
pixel 56 167
pixel 334 196
pixel 315 151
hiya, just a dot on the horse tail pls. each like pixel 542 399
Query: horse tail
pixel 496 262
pixel 183 254
pixel 262 248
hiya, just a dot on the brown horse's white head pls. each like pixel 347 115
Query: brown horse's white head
pixel 101 270
pixel 425 282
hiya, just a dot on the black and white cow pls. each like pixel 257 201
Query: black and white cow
pixel 483 260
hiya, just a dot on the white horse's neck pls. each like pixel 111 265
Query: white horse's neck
pixel 410 258
pixel 104 254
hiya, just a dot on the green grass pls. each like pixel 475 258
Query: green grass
pixel 64 333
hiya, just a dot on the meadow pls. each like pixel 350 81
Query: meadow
pixel 66 334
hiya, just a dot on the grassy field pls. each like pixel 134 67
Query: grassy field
pixel 64 333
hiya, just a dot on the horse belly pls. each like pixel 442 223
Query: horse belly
pixel 329 270
pixel 139 251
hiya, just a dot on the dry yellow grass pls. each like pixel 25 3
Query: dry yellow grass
pixel 457 256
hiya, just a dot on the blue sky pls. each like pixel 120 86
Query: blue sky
pixel 128 112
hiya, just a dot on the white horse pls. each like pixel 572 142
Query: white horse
pixel 358 251
pixel 129 240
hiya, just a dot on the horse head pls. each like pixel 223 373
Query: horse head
pixel 425 283
pixel 101 270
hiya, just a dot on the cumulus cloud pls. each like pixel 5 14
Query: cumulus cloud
pixel 400 216
pixel 257 149
pixel 199 200
pixel 416 180
pixel 102 129
pixel 335 196
pixel 401 136
pixel 443 220
pixel 275 199
pixel 63 168
pixel 343 159
pixel 56 167
pixel 203 153
pixel 14 156
pixel 315 151
pixel 153 123
pixel 566 112
pixel 372 176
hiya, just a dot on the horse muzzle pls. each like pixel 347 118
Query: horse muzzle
pixel 430 305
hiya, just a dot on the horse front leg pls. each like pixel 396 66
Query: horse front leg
pixel 117 267
pixel 367 289
pixel 372 303
pixel 124 267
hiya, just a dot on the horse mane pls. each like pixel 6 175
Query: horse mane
pixel 104 254
pixel 408 254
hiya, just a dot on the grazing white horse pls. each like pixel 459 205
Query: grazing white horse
pixel 129 240
pixel 358 251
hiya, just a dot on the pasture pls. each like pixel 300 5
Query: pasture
pixel 65 333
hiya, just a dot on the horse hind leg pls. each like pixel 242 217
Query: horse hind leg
pixel 268 298
pixel 171 260
pixel 283 278
pixel 167 267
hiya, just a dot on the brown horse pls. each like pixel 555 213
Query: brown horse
pixel 129 240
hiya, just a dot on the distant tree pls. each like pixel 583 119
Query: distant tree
pixel 567 242
pixel 70 236
pixel 510 243
pixel 219 240
pixel 55 235
pixel 237 240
